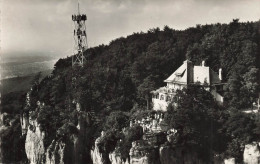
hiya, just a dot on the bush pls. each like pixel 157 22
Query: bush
pixel 108 142
pixel 117 120
pixel 131 134
pixel 240 126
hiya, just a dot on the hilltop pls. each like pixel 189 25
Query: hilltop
pixel 115 82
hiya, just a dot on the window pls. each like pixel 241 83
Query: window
pixel 162 97
pixel 168 98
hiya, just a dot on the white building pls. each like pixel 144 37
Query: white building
pixel 186 74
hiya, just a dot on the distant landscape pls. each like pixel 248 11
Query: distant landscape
pixel 25 66
pixel 18 72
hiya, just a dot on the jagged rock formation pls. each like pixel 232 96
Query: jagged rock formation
pixel 116 159
pixel 252 154
pixel 97 156
pixel 65 146
pixel 230 161
pixel 34 146
pixel 24 121
pixel 58 152
pixel 167 155
pixel 139 155
pixel 55 153
pixel 146 151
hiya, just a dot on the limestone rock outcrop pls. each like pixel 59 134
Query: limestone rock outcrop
pixel 230 161
pixel 69 149
pixel 60 151
pixel 252 154
pixel 141 153
pixel 116 159
pixel 55 153
pixel 34 146
pixel 24 121
pixel 97 156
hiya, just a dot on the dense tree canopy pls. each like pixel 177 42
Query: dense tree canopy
pixel 197 119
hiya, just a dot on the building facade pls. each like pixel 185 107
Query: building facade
pixel 187 74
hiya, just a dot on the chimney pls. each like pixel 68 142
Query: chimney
pixel 189 71
pixel 220 73
pixel 203 63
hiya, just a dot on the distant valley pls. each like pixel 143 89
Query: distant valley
pixel 17 73
pixel 24 67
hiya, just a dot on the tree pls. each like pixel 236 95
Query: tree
pixel 117 120
pixel 145 88
pixel 196 118
pixel 240 125
pixel 36 80
pixel 240 130
pixel 131 134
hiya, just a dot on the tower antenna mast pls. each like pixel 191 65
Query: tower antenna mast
pixel 80 38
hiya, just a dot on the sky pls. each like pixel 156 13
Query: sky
pixel 44 27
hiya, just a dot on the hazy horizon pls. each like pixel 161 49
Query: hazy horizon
pixel 44 28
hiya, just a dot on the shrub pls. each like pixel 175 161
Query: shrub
pixel 131 134
pixel 108 142
pixel 117 120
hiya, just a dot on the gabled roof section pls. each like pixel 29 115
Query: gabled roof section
pixel 187 73
pixel 179 76
pixel 204 74
pixel 201 74
pixel 160 90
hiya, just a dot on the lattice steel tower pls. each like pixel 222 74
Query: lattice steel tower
pixel 80 38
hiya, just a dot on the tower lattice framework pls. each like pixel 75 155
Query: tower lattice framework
pixel 80 38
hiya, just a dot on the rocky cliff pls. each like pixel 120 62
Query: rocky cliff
pixel 63 152
pixel 116 159
pixel 252 153
pixel 55 153
pixel 139 154
pixel 69 149
pixel 34 146
pixel 58 152
pixel 67 145
pixel 230 161
pixel 97 156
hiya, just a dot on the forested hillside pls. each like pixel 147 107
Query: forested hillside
pixel 120 76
